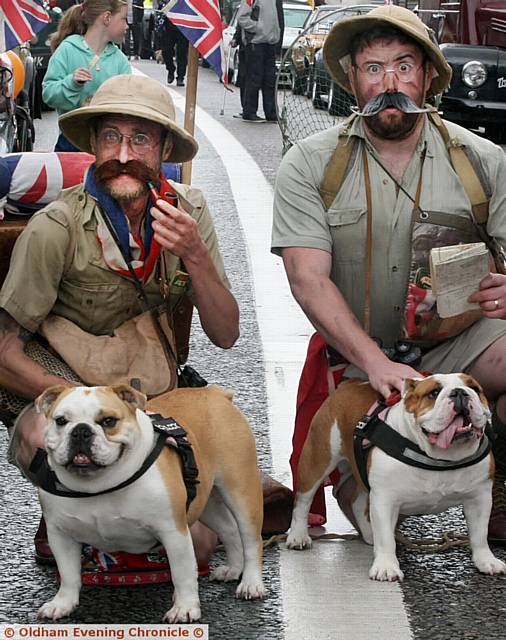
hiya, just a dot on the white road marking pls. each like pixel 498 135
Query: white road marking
pixel 326 590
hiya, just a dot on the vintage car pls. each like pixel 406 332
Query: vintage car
pixel 323 91
pixel 472 34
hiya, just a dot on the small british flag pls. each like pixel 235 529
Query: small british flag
pixel 20 20
pixel 201 24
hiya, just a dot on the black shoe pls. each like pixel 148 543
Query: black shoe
pixel 170 78
pixel 237 115
pixel 253 119
pixel 271 118
pixel 180 83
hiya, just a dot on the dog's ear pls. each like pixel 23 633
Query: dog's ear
pixel 47 398
pixel 408 385
pixel 130 395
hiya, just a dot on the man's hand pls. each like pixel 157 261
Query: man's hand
pixel 176 231
pixel 387 376
pixel 492 296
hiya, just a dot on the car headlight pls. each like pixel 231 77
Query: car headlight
pixel 474 73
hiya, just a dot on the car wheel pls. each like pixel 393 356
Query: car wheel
pixel 339 101
pixel 296 83
pixel 316 98
pixel 308 81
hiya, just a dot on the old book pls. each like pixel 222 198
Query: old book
pixel 456 272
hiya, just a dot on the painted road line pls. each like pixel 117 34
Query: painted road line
pixel 338 570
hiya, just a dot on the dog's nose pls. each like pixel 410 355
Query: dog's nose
pixel 460 399
pixel 81 433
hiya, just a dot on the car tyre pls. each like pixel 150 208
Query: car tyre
pixel 316 98
pixel 296 83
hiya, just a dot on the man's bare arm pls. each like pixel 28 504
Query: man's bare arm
pixel 308 273
pixel 19 373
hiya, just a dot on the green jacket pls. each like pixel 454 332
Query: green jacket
pixel 58 87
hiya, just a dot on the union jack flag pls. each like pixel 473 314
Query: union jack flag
pixel 200 22
pixel 20 20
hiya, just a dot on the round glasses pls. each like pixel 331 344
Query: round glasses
pixel 375 71
pixel 141 143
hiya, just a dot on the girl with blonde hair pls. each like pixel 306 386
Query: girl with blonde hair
pixel 85 54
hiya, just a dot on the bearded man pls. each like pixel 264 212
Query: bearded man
pixel 357 209
pixel 72 259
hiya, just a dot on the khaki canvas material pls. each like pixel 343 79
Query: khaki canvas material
pixel 130 95
pixel 134 351
pixel 337 43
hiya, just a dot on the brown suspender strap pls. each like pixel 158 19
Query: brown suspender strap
pixel 336 168
pixel 368 265
pixel 465 171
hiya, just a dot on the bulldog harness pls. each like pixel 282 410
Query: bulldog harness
pixel 170 434
pixel 373 431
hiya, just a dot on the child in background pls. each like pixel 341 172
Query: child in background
pixel 85 54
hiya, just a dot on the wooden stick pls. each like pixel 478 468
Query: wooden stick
pixel 191 102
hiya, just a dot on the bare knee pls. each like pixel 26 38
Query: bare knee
pixel 28 436
pixel 204 542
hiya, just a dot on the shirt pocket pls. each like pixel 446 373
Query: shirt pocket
pixel 348 232
pixel 97 307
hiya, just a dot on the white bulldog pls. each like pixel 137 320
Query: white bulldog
pixel 445 416
pixel 98 437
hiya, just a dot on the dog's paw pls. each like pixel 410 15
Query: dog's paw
pixel 385 570
pixel 250 590
pixel 298 540
pixel 183 612
pixel 224 573
pixel 57 608
pixel 490 565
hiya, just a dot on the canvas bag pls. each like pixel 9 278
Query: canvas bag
pixel 133 351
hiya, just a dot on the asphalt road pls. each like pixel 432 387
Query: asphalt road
pixel 444 597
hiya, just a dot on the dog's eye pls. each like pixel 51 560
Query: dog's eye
pixel 477 389
pixel 108 423
pixel 433 394
pixel 61 421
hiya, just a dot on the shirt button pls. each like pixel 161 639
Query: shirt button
pixel 395 268
pixel 89 301
pixel 385 181
pixel 397 308
pixel 80 198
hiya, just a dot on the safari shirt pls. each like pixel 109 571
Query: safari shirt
pixel 300 218
pixel 89 293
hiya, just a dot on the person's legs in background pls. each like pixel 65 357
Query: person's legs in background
pixel 269 82
pixel 253 82
pixel 181 58
pixel 168 42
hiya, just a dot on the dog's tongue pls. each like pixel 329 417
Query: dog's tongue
pixel 81 458
pixel 443 438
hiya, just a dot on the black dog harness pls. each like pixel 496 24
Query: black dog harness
pixel 170 434
pixel 373 431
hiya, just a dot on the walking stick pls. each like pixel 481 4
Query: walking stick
pixel 191 101
pixel 225 84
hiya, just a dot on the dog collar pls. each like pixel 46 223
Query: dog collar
pixel 170 434
pixel 373 431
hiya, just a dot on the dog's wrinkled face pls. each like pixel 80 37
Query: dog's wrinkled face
pixel 450 410
pixel 89 428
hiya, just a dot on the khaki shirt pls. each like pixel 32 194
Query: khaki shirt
pixel 300 218
pixel 87 291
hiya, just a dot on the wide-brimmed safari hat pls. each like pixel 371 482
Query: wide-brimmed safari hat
pixel 337 44
pixel 130 95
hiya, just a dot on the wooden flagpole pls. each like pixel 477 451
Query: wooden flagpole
pixel 191 102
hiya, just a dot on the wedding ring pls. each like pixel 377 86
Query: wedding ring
pixel 496 302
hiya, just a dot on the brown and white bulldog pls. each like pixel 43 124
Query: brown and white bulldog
pixel 98 437
pixel 445 415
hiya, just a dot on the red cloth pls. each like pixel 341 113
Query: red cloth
pixel 316 382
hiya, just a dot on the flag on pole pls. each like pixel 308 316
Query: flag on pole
pixel 200 22
pixel 20 20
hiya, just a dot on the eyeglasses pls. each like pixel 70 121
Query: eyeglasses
pixel 141 143
pixel 375 71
